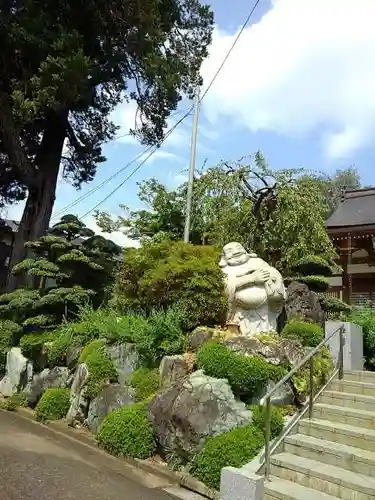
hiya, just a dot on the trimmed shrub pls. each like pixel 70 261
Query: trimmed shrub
pixel 166 273
pixel 333 305
pixel 145 382
pixel 312 265
pixel 57 350
pixel 33 347
pixel 259 419
pixel 127 432
pixel 309 334
pixel 234 448
pixel 322 369
pixel 315 283
pixel 53 405
pixel 246 375
pixel 101 371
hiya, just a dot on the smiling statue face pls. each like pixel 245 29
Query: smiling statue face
pixel 234 254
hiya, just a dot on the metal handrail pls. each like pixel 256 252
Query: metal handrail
pixel 309 358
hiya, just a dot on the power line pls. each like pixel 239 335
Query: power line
pixel 155 148
pixel 251 13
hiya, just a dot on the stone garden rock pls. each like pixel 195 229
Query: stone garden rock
pixel 125 358
pixel 188 412
pixel 302 303
pixel 284 396
pixel 174 368
pixel 78 410
pixel 72 355
pixel 203 334
pixel 110 398
pixel 48 378
pixel 18 373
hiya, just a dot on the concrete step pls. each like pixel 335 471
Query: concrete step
pixel 325 478
pixel 351 416
pixel 279 489
pixel 353 387
pixel 338 433
pixel 358 401
pixel 330 453
pixel 360 376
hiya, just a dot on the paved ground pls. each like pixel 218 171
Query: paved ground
pixel 35 466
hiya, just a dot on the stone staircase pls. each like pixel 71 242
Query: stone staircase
pixel 332 455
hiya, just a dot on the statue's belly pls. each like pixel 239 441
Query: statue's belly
pixel 251 298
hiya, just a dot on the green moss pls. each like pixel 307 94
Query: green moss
pixel 89 348
pixel 259 419
pixel 246 375
pixel 145 382
pixel 101 371
pixel 53 405
pixel 309 334
pixel 234 448
pixel 32 347
pixel 127 432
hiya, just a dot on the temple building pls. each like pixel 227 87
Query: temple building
pixel 352 230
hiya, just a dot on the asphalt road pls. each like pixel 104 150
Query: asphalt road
pixel 35 466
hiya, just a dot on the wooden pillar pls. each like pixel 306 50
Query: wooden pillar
pixel 345 279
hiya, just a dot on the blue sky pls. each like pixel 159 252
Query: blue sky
pixel 300 86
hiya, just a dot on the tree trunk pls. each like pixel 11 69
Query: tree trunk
pixel 41 197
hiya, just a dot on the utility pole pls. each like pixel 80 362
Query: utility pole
pixel 193 149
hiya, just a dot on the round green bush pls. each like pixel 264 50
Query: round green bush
pixel 234 448
pixel 127 432
pixel 246 375
pixel 53 405
pixel 145 382
pixel 259 419
pixel 309 334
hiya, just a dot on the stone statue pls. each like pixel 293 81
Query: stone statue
pixel 255 290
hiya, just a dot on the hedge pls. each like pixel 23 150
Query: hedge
pixel 53 405
pixel 309 334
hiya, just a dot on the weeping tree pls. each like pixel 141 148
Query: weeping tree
pixel 64 67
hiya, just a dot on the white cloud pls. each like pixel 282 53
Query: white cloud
pixel 307 66
pixel 118 236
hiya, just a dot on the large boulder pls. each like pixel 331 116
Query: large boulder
pixel 48 378
pixel 187 413
pixel 110 398
pixel 125 359
pixel 18 373
pixel 79 403
pixel 175 368
pixel 302 303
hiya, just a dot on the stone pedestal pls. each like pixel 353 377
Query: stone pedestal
pixel 353 348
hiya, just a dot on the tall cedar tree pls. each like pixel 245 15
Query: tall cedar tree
pixel 64 66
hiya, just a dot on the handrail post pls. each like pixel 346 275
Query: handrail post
pixel 268 438
pixel 311 387
pixel 341 353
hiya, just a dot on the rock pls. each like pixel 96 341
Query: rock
pixel 72 355
pixel 187 413
pixel 18 373
pixel 110 398
pixel 125 358
pixel 284 396
pixel 78 410
pixel 56 377
pixel 174 368
pixel 302 303
pixel 203 334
